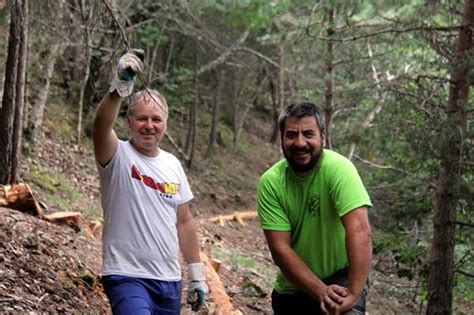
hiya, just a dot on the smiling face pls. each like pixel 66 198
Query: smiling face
pixel 147 124
pixel 302 143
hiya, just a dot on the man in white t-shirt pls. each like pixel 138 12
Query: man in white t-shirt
pixel 145 197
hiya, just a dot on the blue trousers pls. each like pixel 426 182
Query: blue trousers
pixel 128 295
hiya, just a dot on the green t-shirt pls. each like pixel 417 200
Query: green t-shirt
pixel 310 208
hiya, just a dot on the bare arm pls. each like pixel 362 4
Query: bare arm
pixel 359 248
pixel 359 254
pixel 187 234
pixel 104 137
pixel 296 271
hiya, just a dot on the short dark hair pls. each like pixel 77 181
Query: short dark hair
pixel 300 110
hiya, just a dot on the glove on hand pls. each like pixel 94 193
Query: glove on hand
pixel 197 288
pixel 128 66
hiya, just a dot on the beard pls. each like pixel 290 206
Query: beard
pixel 298 167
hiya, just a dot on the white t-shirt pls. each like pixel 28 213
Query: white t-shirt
pixel 140 196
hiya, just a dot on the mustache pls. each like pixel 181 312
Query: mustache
pixel 301 150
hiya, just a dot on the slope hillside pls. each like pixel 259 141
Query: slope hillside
pixel 53 268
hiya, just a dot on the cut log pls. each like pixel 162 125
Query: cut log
pixel 222 301
pixel 238 216
pixel 20 197
pixel 71 219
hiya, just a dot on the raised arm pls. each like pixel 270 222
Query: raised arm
pixel 104 137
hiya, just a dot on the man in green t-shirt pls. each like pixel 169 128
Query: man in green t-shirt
pixel 313 210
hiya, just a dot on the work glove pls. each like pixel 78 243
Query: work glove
pixel 128 66
pixel 197 287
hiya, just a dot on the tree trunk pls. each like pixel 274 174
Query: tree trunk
pixel 81 94
pixel 238 85
pixel 191 139
pixel 329 77
pixel 274 96
pixel 440 282
pixel 14 93
pixel 36 121
pixel 357 132
pixel 215 111
pixel 86 14
pixel 259 84
pixel 20 94
pixel 279 104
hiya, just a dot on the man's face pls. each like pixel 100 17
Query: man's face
pixel 302 144
pixel 147 125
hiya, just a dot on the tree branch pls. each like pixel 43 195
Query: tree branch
pixel 117 23
pixel 468 224
pixel 387 31
pixel 464 273
pixel 259 55
pixel 378 165
pixel 216 62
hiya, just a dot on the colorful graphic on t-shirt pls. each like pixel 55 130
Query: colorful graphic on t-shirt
pixel 165 188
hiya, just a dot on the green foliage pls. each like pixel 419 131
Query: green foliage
pixel 409 254
pixel 149 34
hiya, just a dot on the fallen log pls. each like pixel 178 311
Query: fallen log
pixel 222 301
pixel 238 216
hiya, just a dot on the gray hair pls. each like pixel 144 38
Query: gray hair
pixel 148 95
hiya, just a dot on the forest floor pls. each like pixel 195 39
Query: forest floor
pixel 49 268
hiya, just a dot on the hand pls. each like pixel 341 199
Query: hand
pixel 197 291
pixel 332 297
pixel 342 305
pixel 197 288
pixel 127 67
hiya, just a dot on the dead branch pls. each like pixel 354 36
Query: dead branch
pixel 216 62
pixel 176 146
pixel 378 165
pixel 116 22
pixel 259 55
pixel 387 31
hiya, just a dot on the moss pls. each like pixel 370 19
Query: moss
pixel 43 178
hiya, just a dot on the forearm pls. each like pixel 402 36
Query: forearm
pixel 106 114
pixel 188 241
pixel 296 271
pixel 359 252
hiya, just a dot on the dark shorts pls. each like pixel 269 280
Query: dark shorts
pixel 139 296
pixel 301 303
